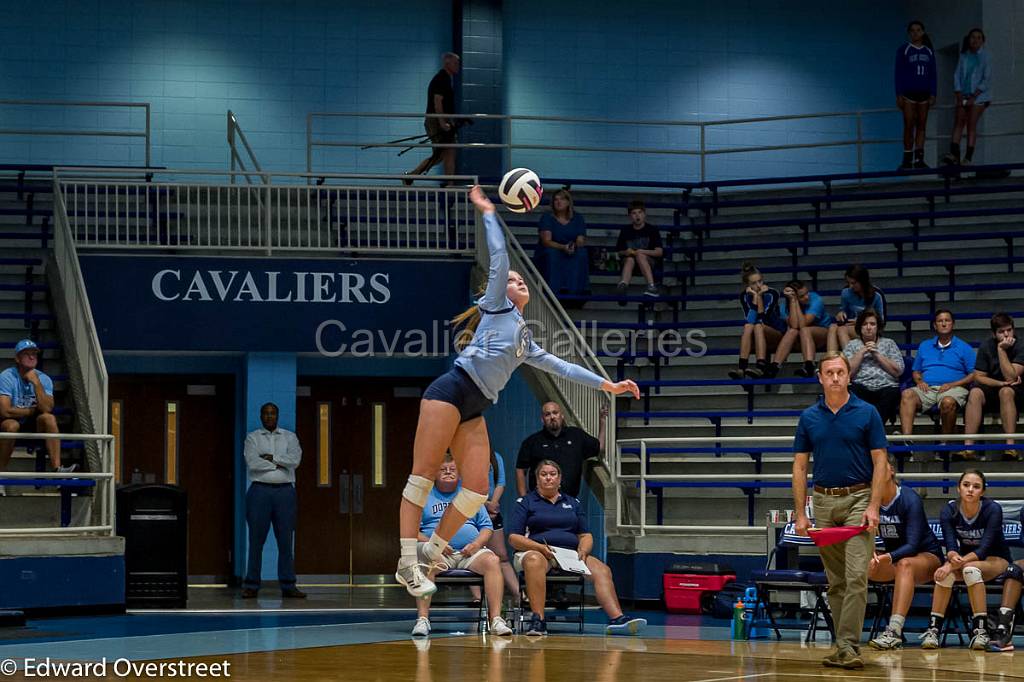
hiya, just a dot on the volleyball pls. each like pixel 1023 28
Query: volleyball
pixel 520 190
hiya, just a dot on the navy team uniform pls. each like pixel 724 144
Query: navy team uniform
pixel 915 75
pixel 770 317
pixel 903 527
pixel 982 535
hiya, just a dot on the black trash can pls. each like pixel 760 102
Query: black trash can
pixel 153 520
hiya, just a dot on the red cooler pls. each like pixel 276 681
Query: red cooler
pixel 689 586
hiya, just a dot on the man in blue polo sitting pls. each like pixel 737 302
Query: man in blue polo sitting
pixel 26 404
pixel 943 371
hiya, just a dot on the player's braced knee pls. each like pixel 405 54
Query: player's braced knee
pixel 468 502
pixel 417 489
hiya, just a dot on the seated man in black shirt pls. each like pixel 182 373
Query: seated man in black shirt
pixel 998 368
pixel 440 100
pixel 639 245
pixel 569 446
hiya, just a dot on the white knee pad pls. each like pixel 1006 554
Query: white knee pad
pixel 947 581
pixel 468 502
pixel 417 490
pixel 972 576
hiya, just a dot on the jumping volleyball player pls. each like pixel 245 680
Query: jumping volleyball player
pixel 452 406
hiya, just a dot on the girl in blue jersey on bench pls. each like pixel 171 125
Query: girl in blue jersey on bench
pixel 976 552
pixel 494 340
pixel 912 553
pixel 763 325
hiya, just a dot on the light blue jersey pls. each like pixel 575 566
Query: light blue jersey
pixel 22 393
pixel 502 342
pixel 433 510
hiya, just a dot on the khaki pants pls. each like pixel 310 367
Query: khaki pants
pixel 846 564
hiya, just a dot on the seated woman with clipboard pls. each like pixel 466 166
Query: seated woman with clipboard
pixel 544 524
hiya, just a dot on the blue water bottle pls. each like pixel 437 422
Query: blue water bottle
pixel 750 613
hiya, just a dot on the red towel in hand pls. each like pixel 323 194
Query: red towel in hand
pixel 823 537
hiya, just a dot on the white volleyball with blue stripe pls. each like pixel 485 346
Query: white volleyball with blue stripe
pixel 520 190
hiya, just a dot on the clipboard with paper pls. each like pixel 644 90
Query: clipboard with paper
pixel 569 560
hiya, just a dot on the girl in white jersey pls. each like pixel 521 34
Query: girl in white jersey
pixel 452 407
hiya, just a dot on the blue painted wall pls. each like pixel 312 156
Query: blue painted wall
pixel 698 61
pixel 271 62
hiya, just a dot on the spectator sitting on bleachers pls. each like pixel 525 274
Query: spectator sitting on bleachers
pixel 976 552
pixel 1003 637
pixel 943 368
pixel 858 294
pixel 466 550
pixel 997 384
pixel 876 365
pixel 912 553
pixel 806 318
pixel 561 252
pixel 546 518
pixel 26 404
pixel 972 83
pixel 763 326
pixel 916 85
pixel 640 246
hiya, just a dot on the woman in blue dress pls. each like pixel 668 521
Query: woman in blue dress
pixel 561 249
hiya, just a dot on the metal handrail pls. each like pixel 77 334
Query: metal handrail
pixel 104 478
pixel 81 342
pixel 145 134
pixel 234 130
pixel 699 148
pixel 203 210
pixel 644 475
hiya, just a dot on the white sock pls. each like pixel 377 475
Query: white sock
pixel 1005 610
pixel 435 547
pixel 408 551
pixel 896 623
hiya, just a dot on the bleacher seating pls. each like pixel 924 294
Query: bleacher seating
pixel 932 238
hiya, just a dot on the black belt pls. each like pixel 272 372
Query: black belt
pixel 272 485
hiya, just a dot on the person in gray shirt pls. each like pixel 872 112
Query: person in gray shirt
pixel 876 365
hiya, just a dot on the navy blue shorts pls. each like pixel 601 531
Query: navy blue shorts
pixel 456 388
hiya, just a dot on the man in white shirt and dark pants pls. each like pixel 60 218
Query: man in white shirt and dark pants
pixel 271 455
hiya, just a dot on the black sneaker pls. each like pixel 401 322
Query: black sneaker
pixel 736 373
pixel 537 627
pixel 919 163
pixel 621 289
pixel 755 372
pixel 1002 642
pixel 805 372
pixel 771 371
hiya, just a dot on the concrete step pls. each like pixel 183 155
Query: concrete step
pixel 41 510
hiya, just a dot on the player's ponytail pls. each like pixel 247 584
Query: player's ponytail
pixel 747 270
pixel 465 323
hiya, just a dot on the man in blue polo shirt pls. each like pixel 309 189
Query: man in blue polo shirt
pixel 847 438
pixel 26 403
pixel 943 369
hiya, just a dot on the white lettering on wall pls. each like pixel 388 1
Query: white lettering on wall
pixel 157 284
pixel 271 287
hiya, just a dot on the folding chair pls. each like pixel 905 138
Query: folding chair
pixel 793 579
pixel 556 577
pixel 465 578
